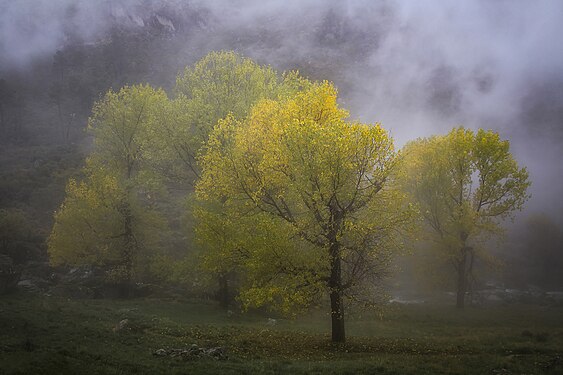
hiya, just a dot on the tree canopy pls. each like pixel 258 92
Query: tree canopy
pixel 109 218
pixel 315 190
pixel 465 183
pixel 218 84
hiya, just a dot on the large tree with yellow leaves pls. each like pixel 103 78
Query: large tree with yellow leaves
pixel 308 204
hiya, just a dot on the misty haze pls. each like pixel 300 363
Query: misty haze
pixel 281 187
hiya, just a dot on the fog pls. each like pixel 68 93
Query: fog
pixel 418 67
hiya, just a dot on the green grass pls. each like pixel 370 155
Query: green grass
pixel 47 335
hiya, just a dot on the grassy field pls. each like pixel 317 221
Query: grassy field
pixel 46 335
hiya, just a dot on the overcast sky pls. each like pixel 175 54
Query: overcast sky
pixel 419 67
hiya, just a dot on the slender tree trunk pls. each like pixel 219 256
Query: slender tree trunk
pixel 470 279
pixel 461 282
pixel 335 280
pixel 129 249
pixel 223 293
pixel 335 287
pixel 130 246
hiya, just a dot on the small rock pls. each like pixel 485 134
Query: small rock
pixel 217 353
pixel 121 325
pixel 29 285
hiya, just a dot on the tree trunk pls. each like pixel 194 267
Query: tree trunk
pixel 223 292
pixel 336 303
pixel 461 279
pixel 470 278
pixel 129 250
pixel 335 280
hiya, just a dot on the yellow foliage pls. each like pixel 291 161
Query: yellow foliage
pixel 272 184
pixel 464 183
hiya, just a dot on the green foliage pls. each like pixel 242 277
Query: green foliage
pixel 222 83
pixel 218 84
pixel 122 124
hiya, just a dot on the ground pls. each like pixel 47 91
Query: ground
pixel 48 335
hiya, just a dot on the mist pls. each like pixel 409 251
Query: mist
pixel 141 272
pixel 418 67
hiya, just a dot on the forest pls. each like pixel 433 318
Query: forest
pixel 182 191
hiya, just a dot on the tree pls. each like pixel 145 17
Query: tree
pixel 219 84
pixel 465 183
pixel 101 224
pixel 111 217
pixel 311 196
pixel 122 124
